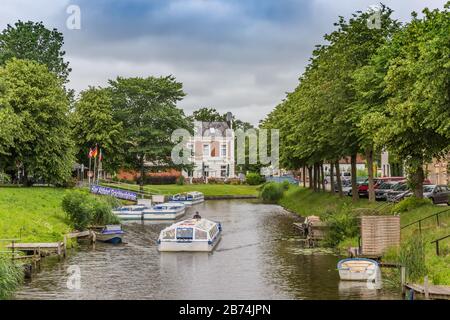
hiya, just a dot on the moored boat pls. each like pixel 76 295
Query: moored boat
pixel 164 211
pixel 133 212
pixel 194 234
pixel 188 198
pixel 111 234
pixel 358 269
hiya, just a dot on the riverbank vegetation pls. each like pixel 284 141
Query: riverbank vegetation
pixel 11 276
pixel 84 209
pixel 416 251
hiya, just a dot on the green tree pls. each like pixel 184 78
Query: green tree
pixel 33 41
pixel 147 109
pixel 413 125
pixel 43 148
pixel 93 123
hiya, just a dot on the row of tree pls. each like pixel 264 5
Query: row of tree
pixel 371 89
pixel 45 130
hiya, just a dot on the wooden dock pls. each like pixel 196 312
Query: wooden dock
pixel 43 248
pixel 431 291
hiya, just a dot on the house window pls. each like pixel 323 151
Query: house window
pixel 206 150
pixel 206 171
pixel 223 150
pixel 223 171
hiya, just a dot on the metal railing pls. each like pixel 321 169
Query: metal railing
pixel 437 214
pixel 437 243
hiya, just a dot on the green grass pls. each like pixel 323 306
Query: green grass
pixel 305 203
pixel 34 214
pixel 207 189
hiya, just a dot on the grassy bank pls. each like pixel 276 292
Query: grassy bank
pixel 207 189
pixel 305 203
pixel 33 214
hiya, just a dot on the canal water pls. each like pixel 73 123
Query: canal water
pixel 259 257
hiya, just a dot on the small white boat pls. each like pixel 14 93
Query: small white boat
pixel 188 198
pixel 111 234
pixel 133 212
pixel 164 211
pixel 358 269
pixel 194 234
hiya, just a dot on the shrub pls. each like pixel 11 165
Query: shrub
pixel 285 184
pixel 272 192
pixel 342 224
pixel 254 179
pixel 84 209
pixel 409 204
pixel 4 178
pixel 11 276
pixel 215 180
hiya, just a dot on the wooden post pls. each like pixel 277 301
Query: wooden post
pixel 437 220
pixel 403 279
pixel 426 288
pixel 437 248
pixel 65 246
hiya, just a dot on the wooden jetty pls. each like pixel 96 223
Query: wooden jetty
pixel 435 292
pixel 43 248
pixel 313 229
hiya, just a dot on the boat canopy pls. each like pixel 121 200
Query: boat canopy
pixel 192 229
pixel 168 206
pixel 133 208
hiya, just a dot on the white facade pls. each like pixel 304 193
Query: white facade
pixel 385 166
pixel 212 150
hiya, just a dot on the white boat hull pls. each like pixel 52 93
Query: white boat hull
pixel 163 215
pixel 131 216
pixel 193 246
pixel 358 269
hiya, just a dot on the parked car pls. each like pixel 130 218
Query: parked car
pixel 363 189
pixel 383 189
pixel 346 187
pixel 436 193
pixel 398 192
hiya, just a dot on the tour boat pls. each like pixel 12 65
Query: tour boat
pixel 358 269
pixel 194 234
pixel 188 198
pixel 164 211
pixel 111 234
pixel 133 212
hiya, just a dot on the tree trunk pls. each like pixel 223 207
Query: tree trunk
pixel 417 178
pixel 141 180
pixel 355 195
pixel 369 157
pixel 310 173
pixel 315 177
pixel 331 177
pixel 322 173
pixel 304 176
pixel 338 179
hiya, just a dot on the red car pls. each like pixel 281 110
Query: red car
pixel 363 189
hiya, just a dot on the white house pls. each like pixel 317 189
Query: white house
pixel 212 150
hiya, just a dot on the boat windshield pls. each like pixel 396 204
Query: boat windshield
pixel 169 234
pixel 200 234
pixel 185 233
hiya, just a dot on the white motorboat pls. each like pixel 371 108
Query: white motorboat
pixel 188 198
pixel 164 211
pixel 194 234
pixel 134 212
pixel 358 269
pixel 110 234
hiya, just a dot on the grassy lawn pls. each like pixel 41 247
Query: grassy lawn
pixel 207 189
pixel 35 214
pixel 305 203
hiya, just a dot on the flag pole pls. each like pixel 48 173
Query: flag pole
pixel 99 166
pixel 89 172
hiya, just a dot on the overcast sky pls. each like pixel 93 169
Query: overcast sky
pixel 235 55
